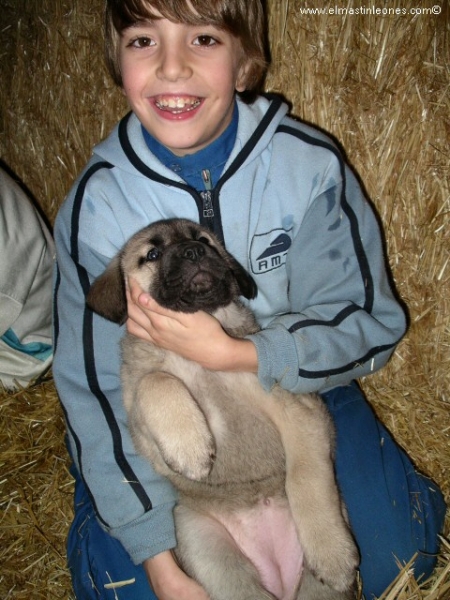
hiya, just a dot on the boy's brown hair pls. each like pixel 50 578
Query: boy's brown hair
pixel 242 18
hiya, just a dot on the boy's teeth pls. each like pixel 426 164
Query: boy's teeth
pixel 178 103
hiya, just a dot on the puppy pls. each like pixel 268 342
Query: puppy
pixel 259 514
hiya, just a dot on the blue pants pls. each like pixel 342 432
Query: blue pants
pixel 394 511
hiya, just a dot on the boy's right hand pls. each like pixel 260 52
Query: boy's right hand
pixel 169 582
pixel 196 336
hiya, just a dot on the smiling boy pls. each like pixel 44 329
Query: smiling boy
pixel 281 198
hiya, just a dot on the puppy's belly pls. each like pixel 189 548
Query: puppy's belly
pixel 266 534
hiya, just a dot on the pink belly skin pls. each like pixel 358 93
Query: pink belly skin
pixel 266 535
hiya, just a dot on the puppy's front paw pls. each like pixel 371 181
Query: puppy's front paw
pixel 191 453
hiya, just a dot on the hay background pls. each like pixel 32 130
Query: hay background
pixel 380 85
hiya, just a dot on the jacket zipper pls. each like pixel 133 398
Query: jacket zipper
pixel 206 196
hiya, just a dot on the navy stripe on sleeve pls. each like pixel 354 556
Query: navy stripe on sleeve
pixel 89 354
pixel 66 417
pixel 366 275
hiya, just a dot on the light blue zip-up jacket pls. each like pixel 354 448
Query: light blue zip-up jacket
pixel 292 212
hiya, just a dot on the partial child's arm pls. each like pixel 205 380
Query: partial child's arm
pixel 169 582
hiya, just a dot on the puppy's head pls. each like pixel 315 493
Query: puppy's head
pixel 180 264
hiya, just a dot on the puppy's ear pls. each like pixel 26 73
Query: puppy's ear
pixel 107 294
pixel 245 281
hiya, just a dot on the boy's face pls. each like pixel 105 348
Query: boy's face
pixel 180 80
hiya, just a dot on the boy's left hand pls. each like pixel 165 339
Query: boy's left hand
pixel 196 336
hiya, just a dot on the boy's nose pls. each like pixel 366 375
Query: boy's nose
pixel 174 65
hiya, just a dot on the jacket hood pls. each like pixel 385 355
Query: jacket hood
pixel 257 124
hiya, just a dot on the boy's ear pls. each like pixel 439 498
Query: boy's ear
pixel 242 77
pixel 107 295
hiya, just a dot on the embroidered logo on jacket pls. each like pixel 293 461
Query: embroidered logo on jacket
pixel 269 250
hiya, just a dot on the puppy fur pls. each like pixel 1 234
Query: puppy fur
pixel 224 442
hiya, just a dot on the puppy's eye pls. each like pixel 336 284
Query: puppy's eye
pixel 153 254
pixel 203 240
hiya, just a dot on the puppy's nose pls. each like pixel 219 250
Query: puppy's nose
pixel 193 252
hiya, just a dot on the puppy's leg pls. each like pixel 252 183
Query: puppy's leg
pixel 307 436
pixel 164 412
pixel 208 553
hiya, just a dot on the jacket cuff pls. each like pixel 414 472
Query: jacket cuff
pixel 150 534
pixel 277 358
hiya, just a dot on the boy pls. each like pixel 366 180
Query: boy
pixel 288 208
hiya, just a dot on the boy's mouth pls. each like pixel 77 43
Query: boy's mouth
pixel 177 104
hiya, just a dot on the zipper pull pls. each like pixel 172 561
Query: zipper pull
pixel 206 176
pixel 208 210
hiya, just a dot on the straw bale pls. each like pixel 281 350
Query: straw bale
pixel 378 84
pixel 36 495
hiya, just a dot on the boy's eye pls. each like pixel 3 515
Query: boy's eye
pixel 141 42
pixel 205 40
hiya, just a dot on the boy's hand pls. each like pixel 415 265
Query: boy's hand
pixel 169 582
pixel 196 336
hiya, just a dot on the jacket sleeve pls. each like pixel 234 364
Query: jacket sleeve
pixel 131 501
pixel 345 319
